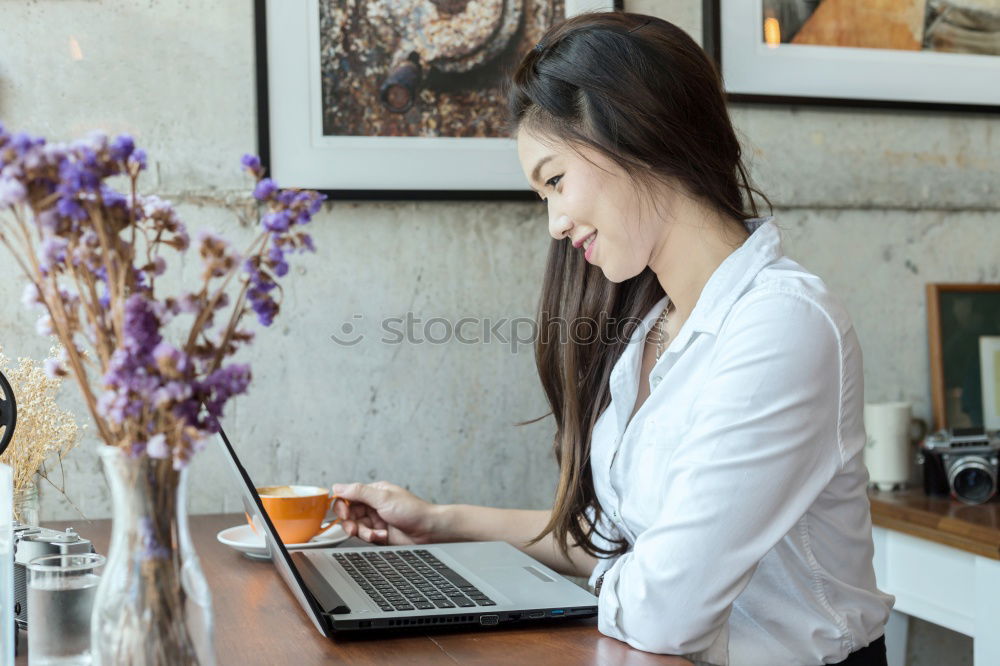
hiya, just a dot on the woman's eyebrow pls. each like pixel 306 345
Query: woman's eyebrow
pixel 538 167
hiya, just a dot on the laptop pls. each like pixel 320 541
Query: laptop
pixel 352 590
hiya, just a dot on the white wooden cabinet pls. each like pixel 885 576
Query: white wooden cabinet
pixel 941 584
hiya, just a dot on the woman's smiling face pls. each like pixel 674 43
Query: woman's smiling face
pixel 592 202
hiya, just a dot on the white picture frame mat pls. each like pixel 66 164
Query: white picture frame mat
pixel 752 67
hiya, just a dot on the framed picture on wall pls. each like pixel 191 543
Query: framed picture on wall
pixel 940 54
pixel 989 372
pixel 395 99
pixel 959 318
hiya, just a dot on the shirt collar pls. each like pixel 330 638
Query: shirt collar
pixel 735 273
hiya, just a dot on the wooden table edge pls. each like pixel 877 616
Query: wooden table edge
pixel 935 526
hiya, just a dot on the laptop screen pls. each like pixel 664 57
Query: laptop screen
pixel 279 554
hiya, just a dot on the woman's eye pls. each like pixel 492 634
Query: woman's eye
pixel 553 180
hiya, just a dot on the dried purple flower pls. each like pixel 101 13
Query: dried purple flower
pixel 137 161
pixel 52 252
pixel 54 368
pixel 141 331
pixel 30 297
pixel 188 303
pixel 156 447
pixel 252 164
pixel 265 189
pixel 12 191
pixel 170 361
pixel 121 148
pixel 43 326
pixel 277 221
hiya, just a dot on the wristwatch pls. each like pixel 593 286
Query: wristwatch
pixel 598 584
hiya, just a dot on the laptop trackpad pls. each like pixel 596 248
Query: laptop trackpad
pixel 539 575
pixel 524 585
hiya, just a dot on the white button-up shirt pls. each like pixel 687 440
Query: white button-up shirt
pixel 739 484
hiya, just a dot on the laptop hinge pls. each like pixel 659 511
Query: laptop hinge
pixel 324 594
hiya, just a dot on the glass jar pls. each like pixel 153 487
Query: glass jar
pixel 61 592
pixel 26 505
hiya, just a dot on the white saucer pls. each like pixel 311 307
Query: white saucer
pixel 251 544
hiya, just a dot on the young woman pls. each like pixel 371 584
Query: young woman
pixel 711 477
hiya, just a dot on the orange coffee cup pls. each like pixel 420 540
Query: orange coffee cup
pixel 297 512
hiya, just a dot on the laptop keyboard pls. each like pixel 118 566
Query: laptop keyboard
pixel 409 580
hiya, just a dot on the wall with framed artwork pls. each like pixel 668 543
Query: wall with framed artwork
pixel 879 201
pixel 400 101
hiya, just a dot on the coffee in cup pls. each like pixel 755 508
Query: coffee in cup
pixel 297 512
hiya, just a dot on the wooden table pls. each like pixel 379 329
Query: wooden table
pixel 941 559
pixel 974 529
pixel 258 621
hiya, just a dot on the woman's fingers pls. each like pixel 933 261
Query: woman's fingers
pixel 362 502
pixel 360 505
pixel 356 526
pixel 357 511
pixel 372 535
pixel 342 509
pixel 370 494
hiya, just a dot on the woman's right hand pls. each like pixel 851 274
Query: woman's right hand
pixel 384 513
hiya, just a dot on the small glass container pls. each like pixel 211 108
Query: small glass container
pixel 61 591
pixel 26 505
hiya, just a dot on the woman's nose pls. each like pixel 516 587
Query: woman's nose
pixel 559 226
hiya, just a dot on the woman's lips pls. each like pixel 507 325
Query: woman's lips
pixel 590 248
pixel 578 244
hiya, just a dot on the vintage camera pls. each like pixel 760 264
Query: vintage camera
pixel 961 462
pixel 31 542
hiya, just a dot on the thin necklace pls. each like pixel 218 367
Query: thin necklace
pixel 660 323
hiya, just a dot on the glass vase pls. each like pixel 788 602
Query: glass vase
pixel 153 606
pixel 26 505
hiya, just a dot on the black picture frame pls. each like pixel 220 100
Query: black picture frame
pixel 264 139
pixel 713 41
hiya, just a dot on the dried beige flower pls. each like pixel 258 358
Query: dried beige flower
pixel 44 431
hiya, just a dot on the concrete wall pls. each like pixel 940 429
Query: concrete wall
pixel 877 202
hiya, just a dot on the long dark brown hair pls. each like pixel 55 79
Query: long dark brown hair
pixel 641 92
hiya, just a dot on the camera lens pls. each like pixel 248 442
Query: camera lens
pixel 972 481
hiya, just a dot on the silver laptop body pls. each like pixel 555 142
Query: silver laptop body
pixel 335 586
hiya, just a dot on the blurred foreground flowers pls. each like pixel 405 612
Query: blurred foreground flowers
pixel 94 258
